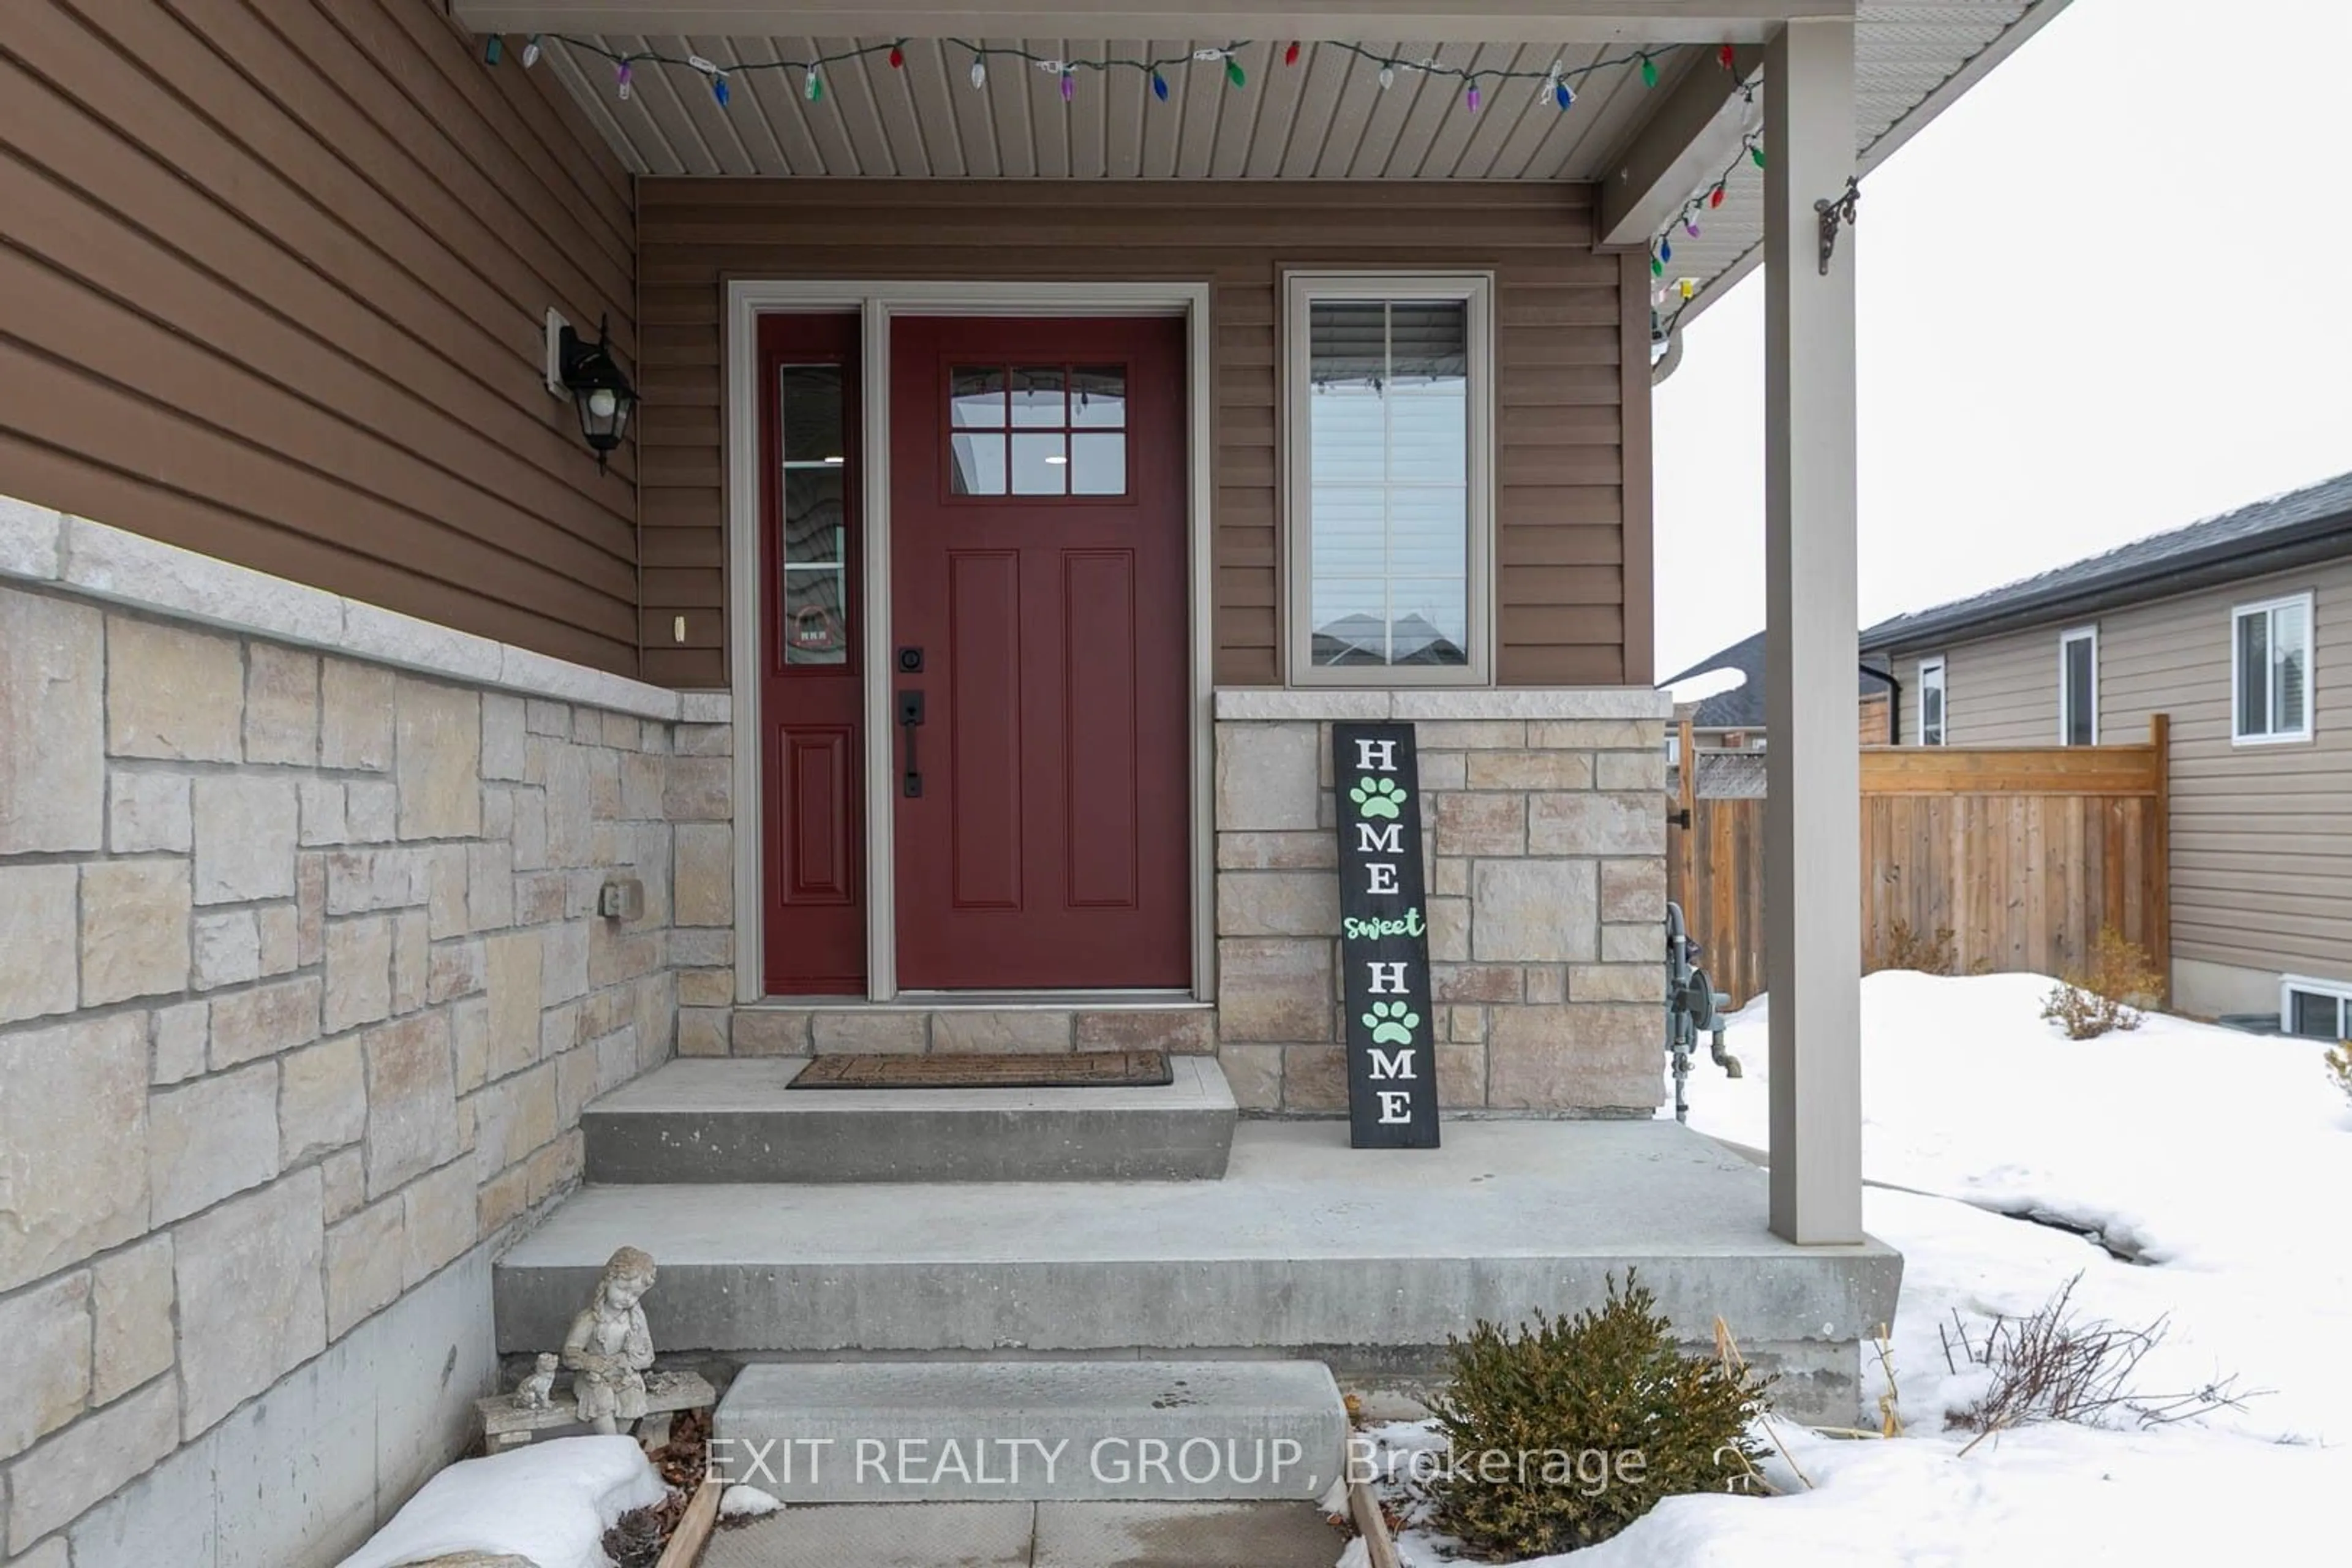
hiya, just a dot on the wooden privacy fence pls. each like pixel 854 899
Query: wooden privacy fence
pixel 2022 852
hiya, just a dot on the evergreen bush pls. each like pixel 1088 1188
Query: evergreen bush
pixel 1560 1434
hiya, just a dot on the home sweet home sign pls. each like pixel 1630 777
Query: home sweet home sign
pixel 1384 939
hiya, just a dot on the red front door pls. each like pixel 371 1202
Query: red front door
pixel 1038 634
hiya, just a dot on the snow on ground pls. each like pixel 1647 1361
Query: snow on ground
pixel 549 1502
pixel 2222 1162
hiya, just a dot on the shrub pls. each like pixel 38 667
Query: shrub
pixel 2056 1365
pixel 1908 949
pixel 1594 1420
pixel 2107 992
pixel 2339 1067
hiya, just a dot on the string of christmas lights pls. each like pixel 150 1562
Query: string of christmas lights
pixel 1557 82
pixel 1707 197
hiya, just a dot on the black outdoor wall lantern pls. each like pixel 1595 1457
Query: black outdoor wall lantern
pixel 600 391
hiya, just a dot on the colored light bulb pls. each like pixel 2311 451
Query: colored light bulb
pixel 621 81
pixel 1715 197
pixel 1665 250
pixel 719 89
pixel 1563 95
pixel 978 72
pixel 1470 97
pixel 1233 72
pixel 493 48
pixel 812 87
pixel 1649 71
pixel 1726 57
pixel 1755 155
pixel 1290 54
pixel 1657 267
pixel 1690 226
pixel 1069 87
pixel 1159 87
pixel 897 58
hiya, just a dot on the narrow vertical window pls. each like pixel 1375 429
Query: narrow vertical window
pixel 2270 658
pixel 2078 687
pixel 1931 701
pixel 815 530
pixel 1387 453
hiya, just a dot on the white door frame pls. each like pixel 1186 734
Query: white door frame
pixel 877 303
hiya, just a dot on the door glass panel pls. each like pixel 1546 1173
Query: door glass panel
pixel 815 630
pixel 813 514
pixel 814 524
pixel 979 465
pixel 810 398
pixel 1099 397
pixel 1064 431
pixel 1097 464
pixel 816 622
pixel 978 398
pixel 1041 464
pixel 1037 398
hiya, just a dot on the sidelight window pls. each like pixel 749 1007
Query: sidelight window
pixel 1389 509
pixel 811 495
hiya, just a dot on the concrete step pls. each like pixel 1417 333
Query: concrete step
pixel 711 1119
pixel 1036 1431
pixel 1365 1259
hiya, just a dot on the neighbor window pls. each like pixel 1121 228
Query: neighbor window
pixel 2314 1009
pixel 1388 441
pixel 1931 701
pixel 2270 670
pixel 2078 687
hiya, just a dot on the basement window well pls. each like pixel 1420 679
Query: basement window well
pixel 2314 1009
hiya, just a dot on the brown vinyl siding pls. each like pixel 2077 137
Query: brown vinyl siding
pixel 276 272
pixel 1572 501
pixel 2002 692
pixel 2262 835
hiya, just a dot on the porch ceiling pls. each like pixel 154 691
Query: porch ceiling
pixel 1325 117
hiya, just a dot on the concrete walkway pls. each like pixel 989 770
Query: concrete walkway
pixel 1033 1535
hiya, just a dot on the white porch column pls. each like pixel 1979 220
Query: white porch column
pixel 1812 820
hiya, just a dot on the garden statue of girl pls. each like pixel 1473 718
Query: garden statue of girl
pixel 610 1347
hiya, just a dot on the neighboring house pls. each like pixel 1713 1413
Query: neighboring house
pixel 1028 474
pixel 2232 625
pixel 1730 715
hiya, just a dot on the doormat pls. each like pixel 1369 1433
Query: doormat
pixel 1080 1070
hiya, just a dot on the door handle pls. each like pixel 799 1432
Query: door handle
pixel 910 719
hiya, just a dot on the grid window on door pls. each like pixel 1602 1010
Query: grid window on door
pixel 1038 431
pixel 814 525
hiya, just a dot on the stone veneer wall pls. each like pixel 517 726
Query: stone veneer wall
pixel 302 989
pixel 1543 818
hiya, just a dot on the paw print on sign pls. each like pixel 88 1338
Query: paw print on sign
pixel 1391 1024
pixel 1378 797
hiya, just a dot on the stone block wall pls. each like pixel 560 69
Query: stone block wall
pixel 303 988
pixel 1543 820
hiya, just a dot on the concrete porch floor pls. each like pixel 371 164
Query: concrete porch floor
pixel 1365 1259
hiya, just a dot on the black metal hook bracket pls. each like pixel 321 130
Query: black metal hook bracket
pixel 1844 211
